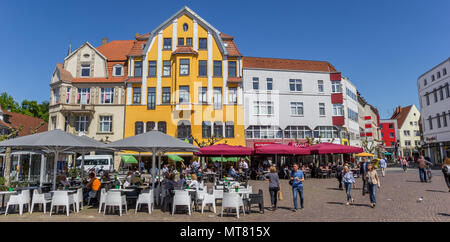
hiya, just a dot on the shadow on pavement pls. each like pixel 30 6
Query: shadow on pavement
pixel 444 214
pixel 352 204
pixel 333 188
pixel 436 191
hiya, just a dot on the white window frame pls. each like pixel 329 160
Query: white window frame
pixel 68 94
pixel 265 108
pixel 105 93
pixel 217 98
pixel 114 70
pixel 322 105
pixel 336 87
pixel 338 109
pixel 84 67
pixel 103 120
pixel 82 121
pixel 84 95
pixel 202 95
pixel 297 83
pixel 320 87
pixel 296 108
pixel 232 95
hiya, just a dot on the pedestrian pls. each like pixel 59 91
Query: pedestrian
pixel 446 171
pixel 274 186
pixel 339 169
pixel 404 164
pixel 422 172
pixel 297 178
pixel 244 167
pixel 383 166
pixel 373 182
pixel 362 173
pixel 348 181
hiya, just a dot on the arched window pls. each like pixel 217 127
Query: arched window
pixel 162 127
pixel 185 27
pixel 297 132
pixel 206 129
pixel 184 129
pixel 138 128
pixel 150 126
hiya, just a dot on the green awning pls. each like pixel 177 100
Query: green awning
pixel 218 159
pixel 129 159
pixel 175 158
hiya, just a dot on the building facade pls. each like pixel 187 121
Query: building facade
pixel 408 130
pixel 369 126
pixel 389 135
pixel 186 80
pixel 434 99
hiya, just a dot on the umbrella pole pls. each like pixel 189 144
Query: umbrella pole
pixel 159 165
pixel 82 166
pixel 221 165
pixel 29 170
pixel 55 166
pixel 153 168
pixel 41 177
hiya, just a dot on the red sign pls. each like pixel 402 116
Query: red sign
pixel 368 125
pixel 369 134
pixel 259 144
pixel 298 145
pixel 367 117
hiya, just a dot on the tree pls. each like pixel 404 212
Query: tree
pixel 7 101
pixel 31 108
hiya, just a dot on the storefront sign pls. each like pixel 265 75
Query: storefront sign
pixel 259 144
pixel 299 145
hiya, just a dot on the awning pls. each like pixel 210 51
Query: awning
pixel 364 154
pixel 218 159
pixel 330 148
pixel 129 159
pixel 225 150
pixel 175 158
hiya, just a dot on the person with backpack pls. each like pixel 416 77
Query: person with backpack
pixel 446 171
pixel 297 178
pixel 339 169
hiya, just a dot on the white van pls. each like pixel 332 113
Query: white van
pixel 98 162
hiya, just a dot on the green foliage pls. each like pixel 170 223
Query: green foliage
pixel 31 108
pixel 2 181
pixel 74 172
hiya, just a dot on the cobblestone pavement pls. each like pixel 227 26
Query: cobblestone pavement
pixel 396 201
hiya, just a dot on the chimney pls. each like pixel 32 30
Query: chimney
pixel 104 40
pixel 9 108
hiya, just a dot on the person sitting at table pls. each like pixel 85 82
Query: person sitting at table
pixel 136 179
pixel 194 183
pixel 62 180
pixel 93 186
pixel 233 173
pixel 105 177
pixel 182 182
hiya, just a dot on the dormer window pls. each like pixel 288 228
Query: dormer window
pixel 118 70
pixel 85 70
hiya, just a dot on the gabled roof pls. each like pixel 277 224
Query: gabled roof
pixel 88 44
pixel 29 123
pixel 116 49
pixel 287 64
pixel 400 114
pixel 64 75
pixel 230 45
pixel 136 49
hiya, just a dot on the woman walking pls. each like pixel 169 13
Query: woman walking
pixel 446 172
pixel 348 180
pixel 404 164
pixel 372 182
pixel 274 186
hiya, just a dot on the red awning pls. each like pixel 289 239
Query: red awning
pixel 224 149
pixel 281 149
pixel 330 148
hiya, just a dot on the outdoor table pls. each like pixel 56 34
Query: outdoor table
pixel 68 191
pixel 121 190
pixel 3 193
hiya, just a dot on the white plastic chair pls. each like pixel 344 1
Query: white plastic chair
pixel 218 194
pixel 145 198
pixel 115 199
pixel 40 198
pixel 102 199
pixel 232 200
pixel 62 198
pixel 181 198
pixel 78 199
pixel 208 199
pixel 20 199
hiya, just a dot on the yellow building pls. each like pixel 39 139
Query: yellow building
pixel 185 79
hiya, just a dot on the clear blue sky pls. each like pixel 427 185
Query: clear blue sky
pixel 381 45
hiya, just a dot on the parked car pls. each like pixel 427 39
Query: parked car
pixel 97 163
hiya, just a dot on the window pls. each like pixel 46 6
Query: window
pixel 263 132
pixel 391 135
pixel 255 83
pixel 438 118
pixel 337 110
pixel 107 95
pixel 427 97
pixel 85 70
pixel 105 124
pixel 53 122
pixel 202 94
pixel 184 67
pixel 138 68
pixel 136 95
pixel 269 84
pixel 188 41
pixel 180 41
pixel 263 108
pixel 166 68
pixel 391 126
pixel 218 129
pixel 206 129
pixel 424 82
pixel 444 118
pixel 83 95
pixel 151 98
pixel 66 122
pixel 407 142
pixel 138 128
pixel 166 95
pixel 417 132
pixel 232 69
pixel 447 91
pixel 149 126
pixel 152 68
pixel 351 94
pixel 295 85
pixel 232 95
pixel 435 96
pixel 296 108
pixel 81 123
pixel 322 109
pixel 162 126
pixel 432 77
pixel 326 132
pixel 229 130
pixel 297 132
pixel 320 85
pixel 185 27
pixel 430 122
pixel 184 130
pixel 217 68
pixel 202 44
pixel 68 94
pixel 406 133
pixel 118 70
pixel 202 68
pixel 441 93
pixel 184 94
pixel 352 115
pixel 438 74
pixel 167 44
pixel 336 87
pixel 217 98
pixel 56 95
pixel 444 71
pixel 411 123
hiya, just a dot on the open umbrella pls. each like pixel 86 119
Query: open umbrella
pixel 175 158
pixel 364 154
pixel 129 159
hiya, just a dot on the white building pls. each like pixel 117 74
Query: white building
pixel 408 138
pixel 289 100
pixel 434 98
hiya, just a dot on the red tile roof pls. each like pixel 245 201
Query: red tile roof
pixel 235 79
pixel 143 36
pixel 287 64
pixel 230 45
pixel 137 49
pixel 134 79
pixel 401 113
pixel 29 123
pixel 2 123
pixel 184 50
pixel 64 75
pixel 116 49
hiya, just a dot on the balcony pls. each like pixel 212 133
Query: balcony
pixel 77 108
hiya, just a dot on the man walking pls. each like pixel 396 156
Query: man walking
pixel 422 172
pixel 339 169
pixel 297 178
pixel 362 172
pixel 383 166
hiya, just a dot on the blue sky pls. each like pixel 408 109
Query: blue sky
pixel 382 45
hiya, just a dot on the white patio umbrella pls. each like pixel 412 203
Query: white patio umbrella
pixel 155 142
pixel 55 141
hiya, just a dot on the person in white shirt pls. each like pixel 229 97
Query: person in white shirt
pixel 244 167
pixel 383 166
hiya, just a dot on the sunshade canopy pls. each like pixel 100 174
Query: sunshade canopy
pixel 330 148
pixel 225 150
pixel 129 159
pixel 388 153
pixel 364 154
pixel 175 158
pixel 281 149
pixel 218 159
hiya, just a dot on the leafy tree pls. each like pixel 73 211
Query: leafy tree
pixel 31 108
pixel 7 101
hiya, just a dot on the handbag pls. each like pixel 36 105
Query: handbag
pixel 446 170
